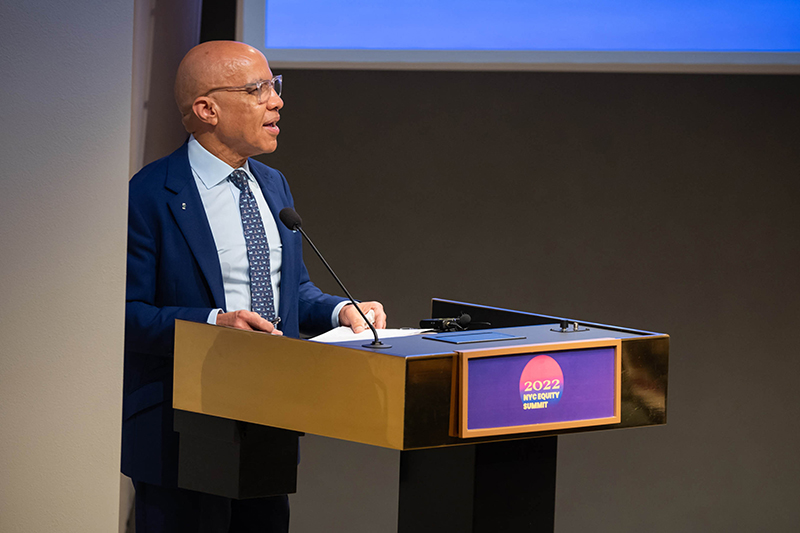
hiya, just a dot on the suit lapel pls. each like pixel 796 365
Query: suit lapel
pixel 190 216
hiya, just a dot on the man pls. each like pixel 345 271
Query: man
pixel 205 244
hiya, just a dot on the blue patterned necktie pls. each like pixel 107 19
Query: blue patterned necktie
pixel 261 298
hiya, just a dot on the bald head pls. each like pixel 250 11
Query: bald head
pixel 210 65
pixel 228 102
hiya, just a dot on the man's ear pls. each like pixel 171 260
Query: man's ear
pixel 205 109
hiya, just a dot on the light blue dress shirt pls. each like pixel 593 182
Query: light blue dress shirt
pixel 220 199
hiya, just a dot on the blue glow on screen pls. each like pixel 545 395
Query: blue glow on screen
pixel 601 25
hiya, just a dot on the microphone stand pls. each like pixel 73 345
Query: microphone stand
pixel 375 343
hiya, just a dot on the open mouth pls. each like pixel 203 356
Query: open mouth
pixel 272 126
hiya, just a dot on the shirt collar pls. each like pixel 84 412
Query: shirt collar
pixel 209 168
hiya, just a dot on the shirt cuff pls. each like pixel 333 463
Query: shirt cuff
pixel 336 310
pixel 212 316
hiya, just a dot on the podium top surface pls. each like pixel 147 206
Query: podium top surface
pixel 420 346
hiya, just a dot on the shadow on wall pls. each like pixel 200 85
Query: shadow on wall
pixel 163 33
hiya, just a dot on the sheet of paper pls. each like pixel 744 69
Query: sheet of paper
pixel 344 334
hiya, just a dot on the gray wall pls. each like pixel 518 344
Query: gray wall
pixel 64 145
pixel 662 202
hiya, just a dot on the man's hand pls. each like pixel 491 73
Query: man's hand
pixel 348 316
pixel 247 320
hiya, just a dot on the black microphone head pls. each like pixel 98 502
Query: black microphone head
pixel 464 320
pixel 290 218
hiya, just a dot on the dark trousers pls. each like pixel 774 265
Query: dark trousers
pixel 165 510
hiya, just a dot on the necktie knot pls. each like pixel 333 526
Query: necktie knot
pixel 239 178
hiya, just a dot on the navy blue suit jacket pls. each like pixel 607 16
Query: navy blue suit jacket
pixel 174 273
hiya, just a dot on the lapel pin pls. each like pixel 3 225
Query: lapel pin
pixel 183 206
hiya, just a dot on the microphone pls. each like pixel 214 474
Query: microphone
pixel 292 220
pixel 446 324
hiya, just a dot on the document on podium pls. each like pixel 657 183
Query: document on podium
pixel 344 334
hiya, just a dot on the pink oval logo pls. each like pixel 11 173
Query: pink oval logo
pixel 541 383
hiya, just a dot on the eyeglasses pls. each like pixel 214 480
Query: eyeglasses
pixel 261 88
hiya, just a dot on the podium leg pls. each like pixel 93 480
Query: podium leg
pixel 479 488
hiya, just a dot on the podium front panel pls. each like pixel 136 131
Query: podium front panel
pixel 402 398
pixel 290 384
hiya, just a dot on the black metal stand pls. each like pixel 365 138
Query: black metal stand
pixel 479 488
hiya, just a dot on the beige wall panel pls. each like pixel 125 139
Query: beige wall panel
pixel 66 87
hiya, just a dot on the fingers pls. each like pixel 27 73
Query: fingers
pixel 360 325
pixel 379 320
pixel 256 322
pixel 380 316
pixel 247 320
pixel 373 310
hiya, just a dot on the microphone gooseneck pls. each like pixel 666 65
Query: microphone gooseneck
pixel 292 220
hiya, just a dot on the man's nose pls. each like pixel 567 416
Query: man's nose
pixel 274 101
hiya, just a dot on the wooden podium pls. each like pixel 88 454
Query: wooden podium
pixel 468 462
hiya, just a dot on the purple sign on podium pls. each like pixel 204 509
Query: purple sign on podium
pixel 540 387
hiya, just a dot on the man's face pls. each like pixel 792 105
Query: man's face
pixel 246 127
